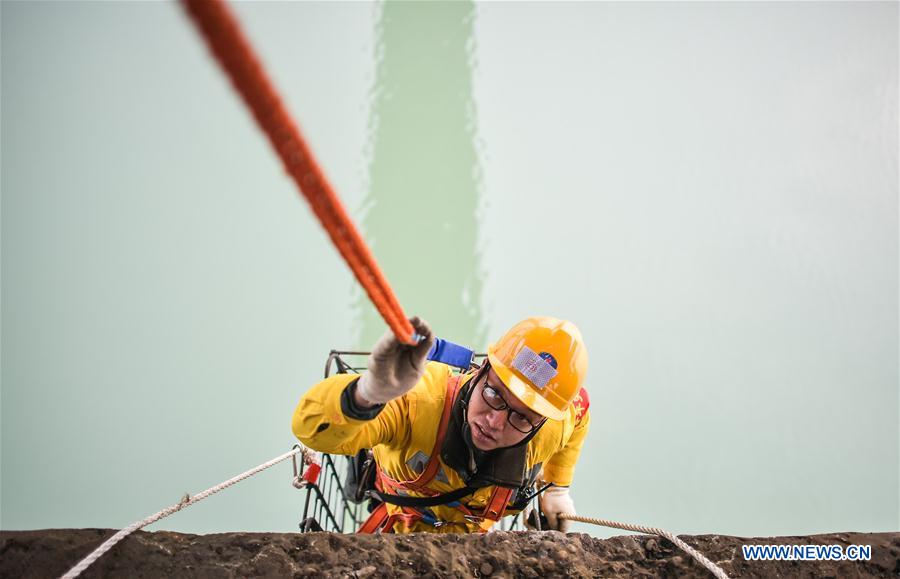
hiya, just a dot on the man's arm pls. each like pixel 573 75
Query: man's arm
pixel 358 402
pixel 328 420
pixel 346 413
pixel 560 469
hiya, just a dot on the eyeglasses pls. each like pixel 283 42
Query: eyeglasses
pixel 495 400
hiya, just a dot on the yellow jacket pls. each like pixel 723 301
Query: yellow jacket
pixel 405 431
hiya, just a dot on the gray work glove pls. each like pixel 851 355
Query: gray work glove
pixel 554 501
pixel 395 368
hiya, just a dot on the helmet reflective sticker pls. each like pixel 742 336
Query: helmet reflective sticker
pixel 548 357
pixel 534 367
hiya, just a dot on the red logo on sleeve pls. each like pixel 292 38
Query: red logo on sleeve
pixel 581 403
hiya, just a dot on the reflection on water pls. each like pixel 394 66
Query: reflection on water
pixel 424 177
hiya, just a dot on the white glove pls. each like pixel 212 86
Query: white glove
pixel 554 501
pixel 394 368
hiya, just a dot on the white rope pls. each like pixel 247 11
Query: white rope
pixel 188 500
pixel 185 502
pixel 713 568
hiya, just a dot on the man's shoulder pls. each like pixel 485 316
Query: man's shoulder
pixel 555 434
pixel 432 386
pixel 434 380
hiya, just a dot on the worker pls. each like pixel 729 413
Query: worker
pixel 456 452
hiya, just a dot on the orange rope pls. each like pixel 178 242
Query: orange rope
pixel 230 46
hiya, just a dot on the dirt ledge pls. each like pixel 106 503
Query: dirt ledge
pixel 50 553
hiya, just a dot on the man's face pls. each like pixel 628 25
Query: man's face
pixel 490 428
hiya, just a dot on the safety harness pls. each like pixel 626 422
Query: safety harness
pixel 389 490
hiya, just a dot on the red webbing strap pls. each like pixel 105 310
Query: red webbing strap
pixel 434 462
pixel 497 504
pixel 388 484
pixel 226 40
pixel 381 522
pixel 405 517
pixel 375 521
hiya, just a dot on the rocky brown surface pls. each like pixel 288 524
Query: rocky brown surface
pixel 50 553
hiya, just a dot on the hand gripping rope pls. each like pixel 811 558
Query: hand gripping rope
pixel 223 34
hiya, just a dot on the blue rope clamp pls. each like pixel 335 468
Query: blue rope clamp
pixel 447 352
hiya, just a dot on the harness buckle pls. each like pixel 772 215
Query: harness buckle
pixel 309 475
pixel 296 481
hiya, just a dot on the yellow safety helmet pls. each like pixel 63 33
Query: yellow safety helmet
pixel 543 362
